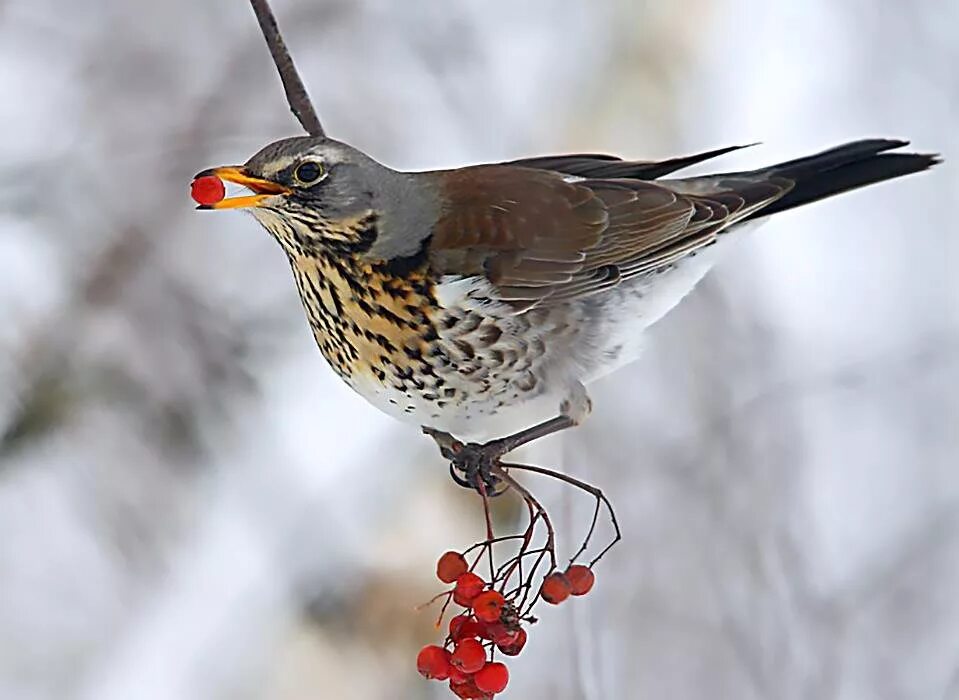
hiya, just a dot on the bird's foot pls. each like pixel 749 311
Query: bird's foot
pixel 472 463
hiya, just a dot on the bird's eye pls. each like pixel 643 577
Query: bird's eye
pixel 309 172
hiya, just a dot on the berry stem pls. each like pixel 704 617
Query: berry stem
pixel 495 540
pixel 489 530
pixel 517 561
pixel 500 470
pixel 596 493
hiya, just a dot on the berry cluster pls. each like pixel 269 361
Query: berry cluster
pixel 498 609
pixel 491 621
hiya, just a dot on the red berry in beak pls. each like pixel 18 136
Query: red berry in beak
pixel 207 190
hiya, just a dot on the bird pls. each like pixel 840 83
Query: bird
pixel 467 300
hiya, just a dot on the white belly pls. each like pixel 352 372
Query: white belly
pixel 632 307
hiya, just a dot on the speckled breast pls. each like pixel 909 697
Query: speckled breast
pixel 390 339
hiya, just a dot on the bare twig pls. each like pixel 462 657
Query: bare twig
pixel 596 493
pixel 296 94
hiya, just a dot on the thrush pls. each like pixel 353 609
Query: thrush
pixel 467 299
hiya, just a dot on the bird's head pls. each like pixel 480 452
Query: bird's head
pixel 314 193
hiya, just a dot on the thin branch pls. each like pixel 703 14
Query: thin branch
pixel 296 94
pixel 595 492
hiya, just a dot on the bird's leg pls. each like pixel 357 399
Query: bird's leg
pixel 475 461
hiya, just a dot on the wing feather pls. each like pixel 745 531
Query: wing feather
pixel 539 239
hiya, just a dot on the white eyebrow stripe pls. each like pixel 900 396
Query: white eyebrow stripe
pixel 278 165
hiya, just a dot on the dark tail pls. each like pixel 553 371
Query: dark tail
pixel 840 169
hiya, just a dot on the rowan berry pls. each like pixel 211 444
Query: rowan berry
pixel 488 605
pixel 433 662
pixel 458 677
pixel 468 656
pixel 468 586
pixel 492 678
pixel 451 566
pixel 513 646
pixel 498 632
pixel 207 190
pixel 464 627
pixel 555 588
pixel 468 690
pixel 581 579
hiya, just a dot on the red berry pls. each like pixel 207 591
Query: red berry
pixel 468 656
pixel 457 676
pixel 433 662
pixel 482 630
pixel 581 579
pixel 488 605
pixel 207 190
pixel 469 690
pixel 514 646
pixel 468 586
pixel 492 678
pixel 451 566
pixel 498 632
pixel 456 625
pixel 464 626
pixel 555 588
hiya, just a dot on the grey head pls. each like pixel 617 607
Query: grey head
pixel 314 194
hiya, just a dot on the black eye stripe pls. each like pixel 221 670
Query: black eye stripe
pixel 308 172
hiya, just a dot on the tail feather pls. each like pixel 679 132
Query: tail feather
pixel 841 169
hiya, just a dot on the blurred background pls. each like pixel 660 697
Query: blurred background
pixel 192 506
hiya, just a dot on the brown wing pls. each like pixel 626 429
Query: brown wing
pixel 540 239
pixel 526 230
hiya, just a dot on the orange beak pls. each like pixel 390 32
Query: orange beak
pixel 237 174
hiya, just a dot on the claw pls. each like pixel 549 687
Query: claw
pixel 473 460
pixel 449 445
pixel 460 481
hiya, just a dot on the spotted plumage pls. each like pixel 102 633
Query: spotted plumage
pixel 455 298
pixel 386 334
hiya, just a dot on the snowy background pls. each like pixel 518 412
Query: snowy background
pixel 193 507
